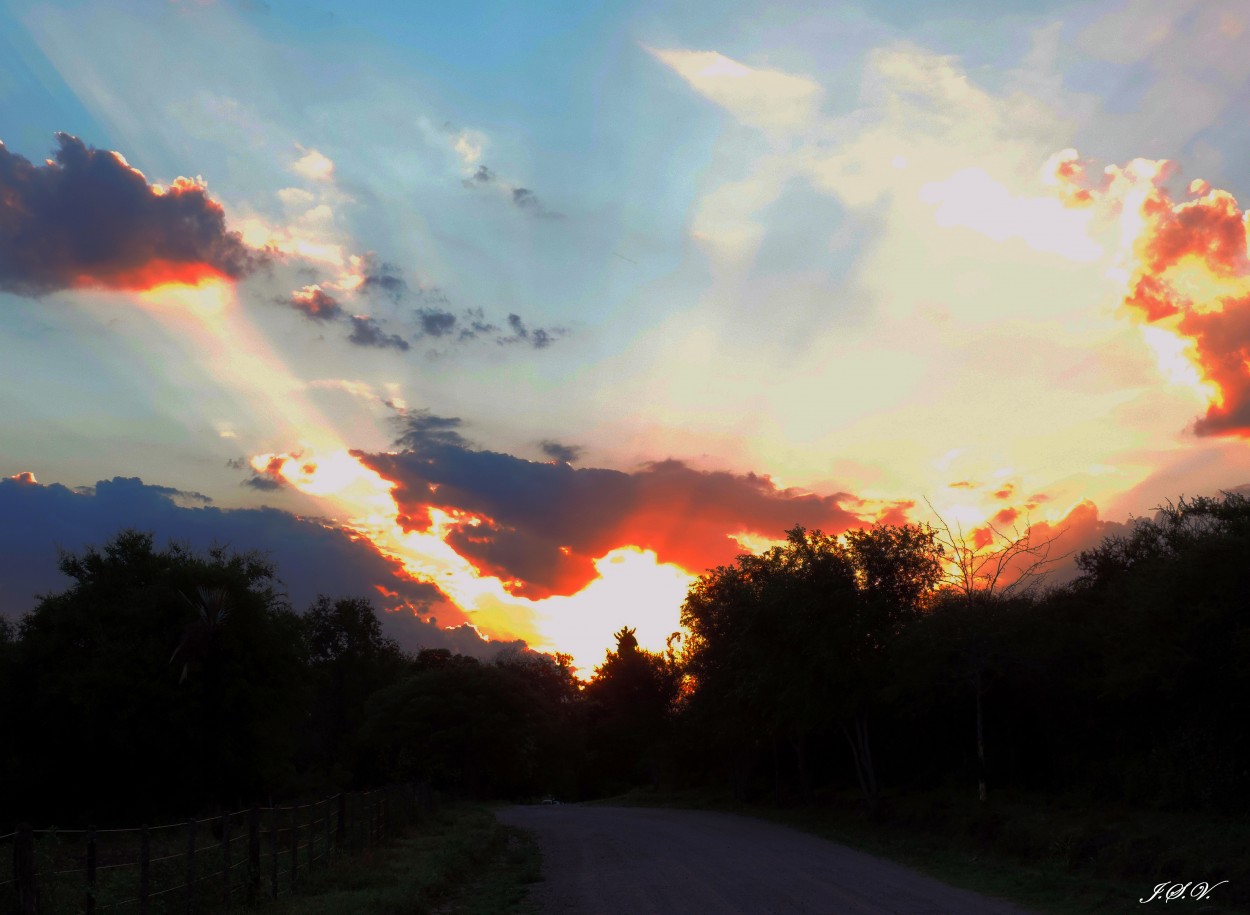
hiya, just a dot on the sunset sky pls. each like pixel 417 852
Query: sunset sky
pixel 515 317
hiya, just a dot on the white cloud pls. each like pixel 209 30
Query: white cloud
pixel 313 165
pixel 764 98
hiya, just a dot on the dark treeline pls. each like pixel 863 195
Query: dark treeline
pixel 866 664
pixel 163 683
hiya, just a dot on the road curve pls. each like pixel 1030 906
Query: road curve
pixel 637 860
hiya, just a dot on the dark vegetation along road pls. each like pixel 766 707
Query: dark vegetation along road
pixel 635 861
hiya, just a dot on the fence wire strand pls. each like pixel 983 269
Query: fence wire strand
pixel 325 833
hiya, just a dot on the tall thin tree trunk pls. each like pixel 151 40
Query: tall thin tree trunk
pixel 981 790
pixel 870 770
pixel 800 755
pixel 776 769
pixel 862 755
pixel 859 769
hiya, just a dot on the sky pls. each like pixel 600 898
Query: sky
pixel 517 317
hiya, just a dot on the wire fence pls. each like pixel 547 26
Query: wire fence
pixel 216 864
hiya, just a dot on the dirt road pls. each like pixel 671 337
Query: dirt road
pixel 633 861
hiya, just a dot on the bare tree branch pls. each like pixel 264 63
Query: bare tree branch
pixel 978 568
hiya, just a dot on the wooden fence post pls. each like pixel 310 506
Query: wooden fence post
pixel 145 868
pixel 253 854
pixel 91 865
pixel 225 855
pixel 294 846
pixel 190 905
pixel 273 852
pixel 24 871
pixel 328 832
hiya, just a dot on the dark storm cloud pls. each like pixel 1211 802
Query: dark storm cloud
pixel 567 454
pixel 421 429
pixel 435 323
pixel 366 332
pixel 86 218
pixel 263 483
pixel 543 524
pixel 311 557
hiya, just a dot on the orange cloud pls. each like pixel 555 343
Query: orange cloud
pixel 1049 547
pixel 316 303
pixel 540 527
pixel 1187 272
pixel 150 275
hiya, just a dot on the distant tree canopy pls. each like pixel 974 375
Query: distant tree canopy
pixel 159 674
pixel 629 706
pixel 489 730
pixel 349 659
pixel 163 682
pixel 792 642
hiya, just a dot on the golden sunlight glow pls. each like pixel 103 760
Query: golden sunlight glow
pixel 633 589
pixel 971 198
pixel 1192 279
pixel 753 543
pixel 206 302
pixel 1176 358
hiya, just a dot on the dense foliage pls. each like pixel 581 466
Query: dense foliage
pixel 162 683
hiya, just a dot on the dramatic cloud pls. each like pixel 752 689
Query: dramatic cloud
pixel 1188 271
pixel 540 526
pixel 566 454
pixel 316 303
pixel 420 429
pixel 366 332
pixel 87 219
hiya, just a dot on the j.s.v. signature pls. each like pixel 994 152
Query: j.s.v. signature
pixel 1168 891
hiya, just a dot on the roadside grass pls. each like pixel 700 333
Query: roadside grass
pixel 457 861
pixel 1062 859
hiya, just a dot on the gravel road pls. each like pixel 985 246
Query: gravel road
pixel 633 861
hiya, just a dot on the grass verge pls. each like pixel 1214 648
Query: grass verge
pixel 1057 859
pixel 458 861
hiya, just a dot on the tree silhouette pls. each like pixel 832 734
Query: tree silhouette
pixel 794 640
pixel 183 704
pixel 985 570
pixel 629 704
